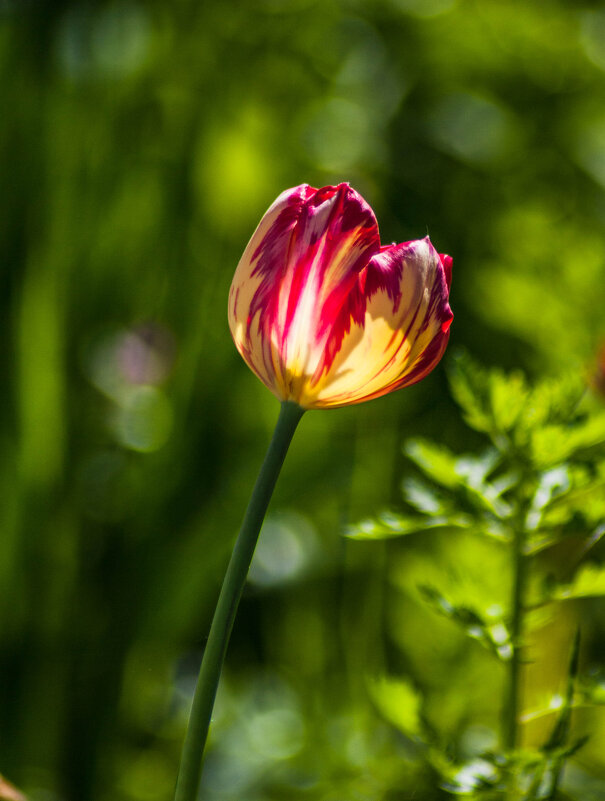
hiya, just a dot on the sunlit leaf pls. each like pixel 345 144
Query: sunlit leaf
pixel 470 387
pixel 540 542
pixel 493 635
pixel 391 524
pixel 435 460
pixel 425 498
pixel 474 469
pixel 555 443
pixel 508 398
pixel 552 483
pixel 544 421
pixel 399 702
pixel 476 778
pixel 589 581
pixel 584 499
pixel 466 474
pixel 553 401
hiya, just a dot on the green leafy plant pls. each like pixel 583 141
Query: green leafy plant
pixel 535 498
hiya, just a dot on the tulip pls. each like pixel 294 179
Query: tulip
pixel 326 316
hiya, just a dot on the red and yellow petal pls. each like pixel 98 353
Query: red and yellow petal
pixel 404 331
pixel 295 276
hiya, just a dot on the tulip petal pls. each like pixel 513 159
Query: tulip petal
pixel 299 270
pixel 447 262
pixel 404 331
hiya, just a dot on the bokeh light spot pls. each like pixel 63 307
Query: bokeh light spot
pixel 144 421
pixel 287 547
pixel 470 127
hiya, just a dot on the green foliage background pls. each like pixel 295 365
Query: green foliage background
pixel 141 142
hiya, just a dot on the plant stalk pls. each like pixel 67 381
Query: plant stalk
pixel 190 770
pixel 512 702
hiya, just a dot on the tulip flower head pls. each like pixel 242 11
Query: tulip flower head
pixel 326 316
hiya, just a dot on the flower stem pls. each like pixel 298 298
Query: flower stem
pixel 214 654
pixel 512 701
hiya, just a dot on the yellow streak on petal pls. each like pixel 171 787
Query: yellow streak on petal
pixel 375 356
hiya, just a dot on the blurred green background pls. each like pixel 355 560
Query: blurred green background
pixel 141 143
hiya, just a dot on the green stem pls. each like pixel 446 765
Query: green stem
pixel 214 654
pixel 511 711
